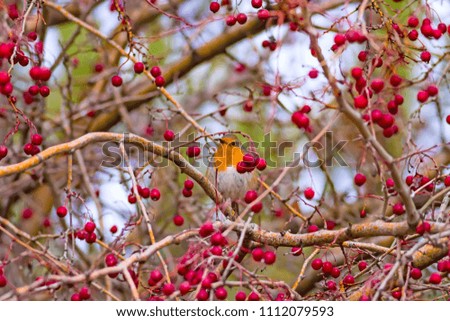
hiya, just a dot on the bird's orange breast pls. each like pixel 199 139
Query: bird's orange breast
pixel 227 156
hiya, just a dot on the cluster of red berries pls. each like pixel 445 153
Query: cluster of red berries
pixel 249 162
pixel 87 233
pixel 139 68
pixel 268 257
pixel 327 268
pixel 32 148
pixel 187 189
pixel 240 18
pixel 418 180
pixel 82 295
pixel 145 193
pixel 300 119
pixel 430 91
pixel 249 197
pixel 351 36
pixel 270 44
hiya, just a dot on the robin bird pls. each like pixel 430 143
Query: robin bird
pixel 224 173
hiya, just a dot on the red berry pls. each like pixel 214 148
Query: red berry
pixel 168 288
pixel 139 67
pixel 386 121
pixel 432 90
pixel 435 278
pixel 250 196
pixel 357 72
pixel 160 81
pixel 313 228
pixel 362 56
pixel 202 295
pixel 132 199
pixel 413 35
pixel 61 211
pixel 178 220
pixel 214 7
pixel 261 164
pixel 193 151
pixel 230 20
pixel 156 276
pixel 339 39
pixel 263 14
pixel 27 213
pixel 188 184
pixel 4 78
pixel 335 272
pixel 155 194
pixel 113 229
pixel 98 68
pixel 184 287
pixel 253 296
pixel 360 102
pixel 270 257
pixel 416 273
pixel 395 80
pixel 221 293
pixel 241 18
pixel 359 179
pixel 256 4
pixel 413 21
pixel 116 81
pixel 91 238
pixel 309 193
pixel 422 96
pixel 85 293
pixel 300 119
pixel 258 254
pixel 13 12
pixel 206 229
pixel 446 179
pixel 36 139
pixel 218 239
pixel 313 73
pixel 296 251
pixel 398 209
pixel 447 119
pixel 442 27
pixel 44 73
pixel 3 151
pixel 377 85
pixel 362 265
pixel 169 135
pixel 348 279
pixel 425 56
pixel 327 267
pixel 155 71
pixel 7 89
pixel 75 297
pixel 240 296
pixel 186 192
pixel 398 99
pixel 89 227
pixel 331 285
pixel 317 264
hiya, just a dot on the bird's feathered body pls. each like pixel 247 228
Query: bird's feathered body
pixel 223 173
